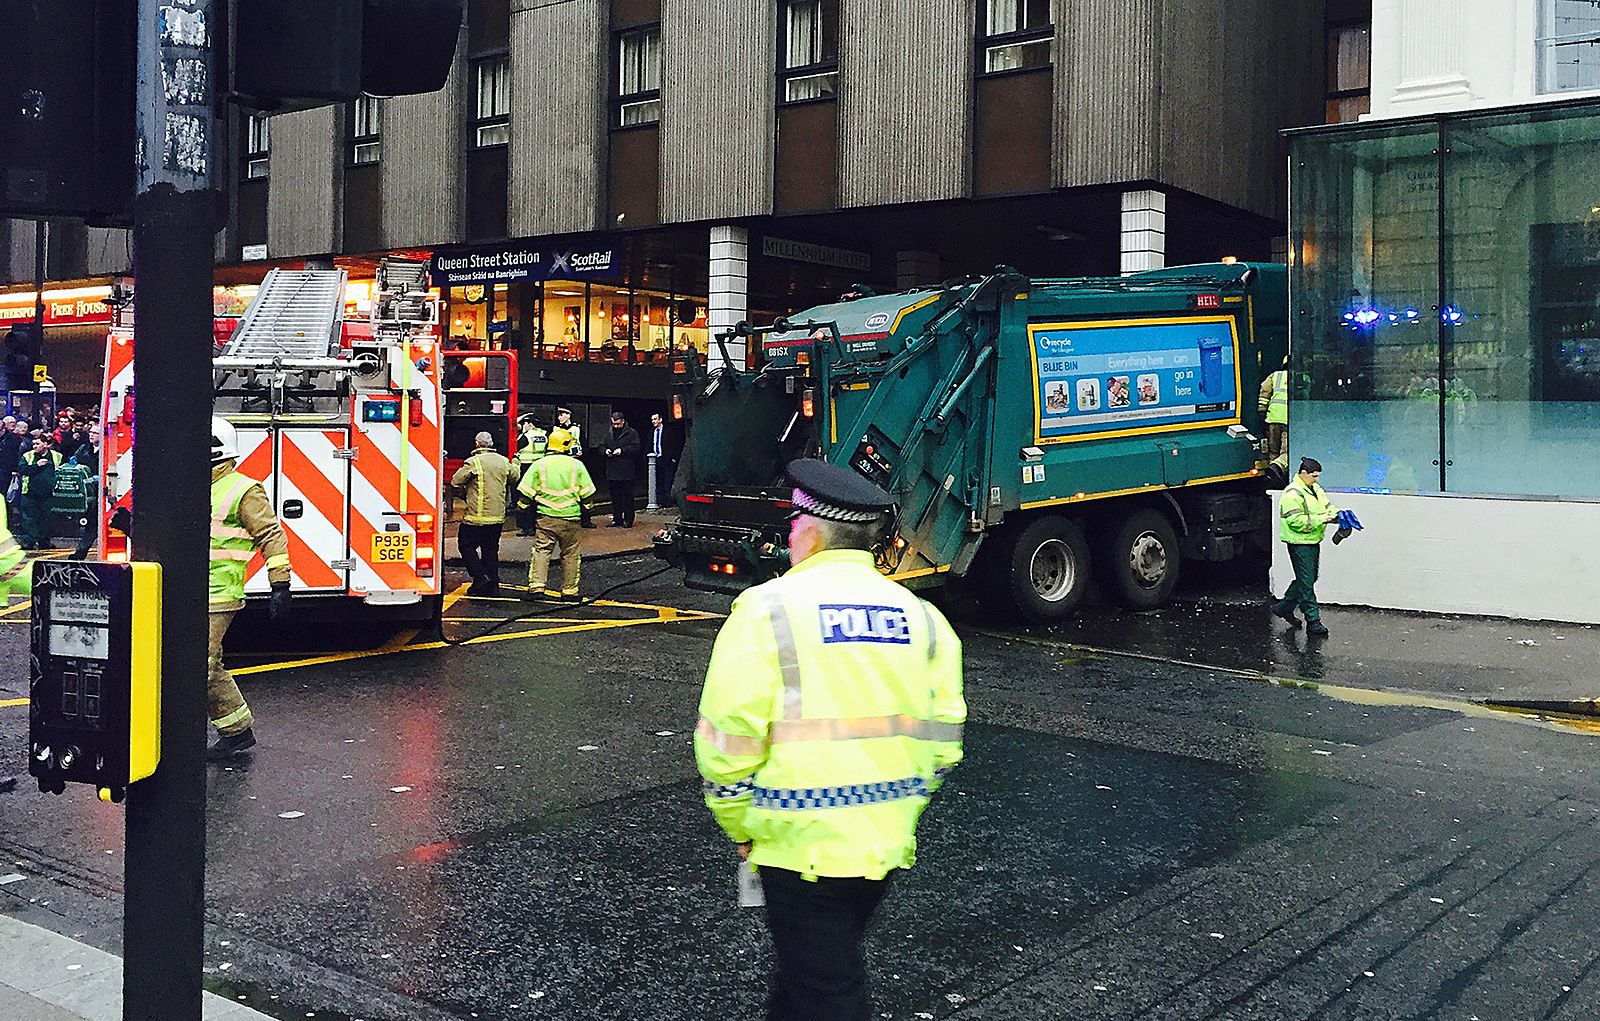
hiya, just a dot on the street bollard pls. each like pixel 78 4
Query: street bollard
pixel 654 500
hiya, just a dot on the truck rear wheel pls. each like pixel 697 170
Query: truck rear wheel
pixel 1046 571
pixel 1141 560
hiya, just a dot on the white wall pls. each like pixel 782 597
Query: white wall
pixel 1435 55
pixel 1448 554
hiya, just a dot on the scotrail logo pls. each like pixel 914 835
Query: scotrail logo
pixel 845 623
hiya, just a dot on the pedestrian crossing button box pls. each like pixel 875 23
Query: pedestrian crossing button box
pixel 95 675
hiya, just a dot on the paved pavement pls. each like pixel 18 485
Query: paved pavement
pixel 512 828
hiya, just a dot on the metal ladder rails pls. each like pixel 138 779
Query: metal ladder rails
pixel 296 314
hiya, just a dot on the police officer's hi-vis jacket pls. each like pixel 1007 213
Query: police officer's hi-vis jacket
pixel 832 710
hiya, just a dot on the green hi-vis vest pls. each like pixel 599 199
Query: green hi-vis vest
pixel 31 458
pixel 832 711
pixel 1302 511
pixel 16 574
pixel 1278 406
pixel 231 543
pixel 559 483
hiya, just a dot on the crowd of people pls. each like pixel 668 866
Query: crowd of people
pixel 32 458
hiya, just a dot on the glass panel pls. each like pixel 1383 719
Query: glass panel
pixel 803 34
pixel 1364 397
pixel 368 117
pixel 647 112
pixel 639 62
pixel 1522 255
pixel 494 93
pixel 259 134
pixel 1569 45
pixel 366 152
pixel 815 86
pixel 493 134
pixel 1016 56
pixel 257 168
pixel 1002 16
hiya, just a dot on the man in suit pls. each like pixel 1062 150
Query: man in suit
pixel 665 449
pixel 622 469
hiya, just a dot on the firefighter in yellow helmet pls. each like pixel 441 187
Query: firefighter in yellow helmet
pixel 557 484
pixel 831 712
pixel 242 522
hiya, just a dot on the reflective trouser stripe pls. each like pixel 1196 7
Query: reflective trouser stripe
pixel 729 744
pixel 788 654
pixel 864 728
pixel 277 560
pixel 232 718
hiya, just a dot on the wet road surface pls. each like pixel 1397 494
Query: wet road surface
pixel 513 829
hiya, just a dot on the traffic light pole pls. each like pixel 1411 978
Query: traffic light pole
pixel 163 920
pixel 39 240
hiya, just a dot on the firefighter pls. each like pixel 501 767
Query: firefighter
pixel 533 443
pixel 486 476
pixel 564 421
pixel 242 522
pixel 1273 403
pixel 557 485
pixel 831 712
pixel 1304 514
pixel 38 486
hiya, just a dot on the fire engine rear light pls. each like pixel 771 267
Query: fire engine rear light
pixel 117 558
pixel 698 498
pixel 427 540
pixel 808 403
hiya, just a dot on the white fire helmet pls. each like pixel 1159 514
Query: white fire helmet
pixel 224 440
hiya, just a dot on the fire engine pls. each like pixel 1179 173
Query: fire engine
pixel 347 441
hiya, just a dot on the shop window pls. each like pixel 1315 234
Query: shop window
pixel 1349 86
pixel 810 50
pixel 616 325
pixel 1569 45
pixel 1016 35
pixel 491 124
pixel 257 146
pixel 366 129
pixel 1447 305
pixel 639 76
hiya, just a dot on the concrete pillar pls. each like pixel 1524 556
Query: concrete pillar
pixel 1434 54
pixel 1144 230
pixel 916 269
pixel 729 299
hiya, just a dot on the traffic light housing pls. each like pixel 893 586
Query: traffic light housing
pixel 21 352
pixel 297 54
pixel 67 109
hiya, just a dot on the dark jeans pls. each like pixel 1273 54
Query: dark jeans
pixel 666 468
pixel 820 971
pixel 1307 561
pixel 622 503
pixel 480 552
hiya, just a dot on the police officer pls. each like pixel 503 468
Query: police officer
pixel 1304 513
pixel 242 522
pixel 532 444
pixel 564 421
pixel 832 711
pixel 486 476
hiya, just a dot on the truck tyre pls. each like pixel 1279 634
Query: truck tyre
pixel 1046 571
pixel 1140 562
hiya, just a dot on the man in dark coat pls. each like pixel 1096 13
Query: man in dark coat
pixel 622 469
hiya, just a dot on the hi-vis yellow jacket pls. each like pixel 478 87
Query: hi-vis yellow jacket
pixel 831 712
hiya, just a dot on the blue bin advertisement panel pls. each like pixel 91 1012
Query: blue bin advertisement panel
pixel 1131 376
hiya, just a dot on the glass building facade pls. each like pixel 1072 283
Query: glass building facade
pixel 1445 290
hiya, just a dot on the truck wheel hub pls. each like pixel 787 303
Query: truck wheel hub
pixel 1052 570
pixel 1148 559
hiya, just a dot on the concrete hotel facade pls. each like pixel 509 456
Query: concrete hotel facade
pixel 744 160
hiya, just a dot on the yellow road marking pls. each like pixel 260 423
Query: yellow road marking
pixel 664 615
pixel 452 598
pixel 6 703
pixel 26 604
pixel 501 620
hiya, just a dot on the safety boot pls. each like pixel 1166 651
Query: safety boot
pixel 1287 616
pixel 1316 629
pixel 231 746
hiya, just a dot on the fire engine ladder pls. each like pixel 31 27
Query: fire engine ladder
pixel 296 314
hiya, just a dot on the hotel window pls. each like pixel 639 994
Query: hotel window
pixel 810 46
pixel 492 101
pixel 1349 91
pixel 1569 45
pixel 639 76
pixel 1016 35
pixel 257 146
pixel 366 130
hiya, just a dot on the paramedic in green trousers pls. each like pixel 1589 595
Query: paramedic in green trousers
pixel 1304 513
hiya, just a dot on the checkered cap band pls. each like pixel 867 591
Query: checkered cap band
pixel 804 501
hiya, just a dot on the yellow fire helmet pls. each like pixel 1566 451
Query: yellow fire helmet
pixel 560 441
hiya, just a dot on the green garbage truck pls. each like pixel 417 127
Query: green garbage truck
pixel 1038 434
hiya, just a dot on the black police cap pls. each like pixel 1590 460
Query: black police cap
pixel 827 491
